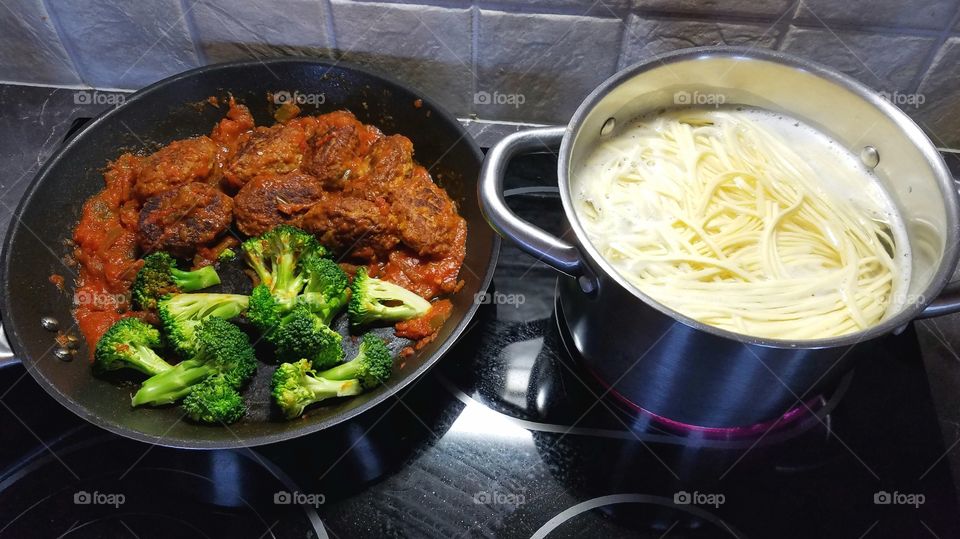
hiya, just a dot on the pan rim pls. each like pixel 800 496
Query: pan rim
pixel 13 337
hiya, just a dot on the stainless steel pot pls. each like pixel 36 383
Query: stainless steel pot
pixel 670 364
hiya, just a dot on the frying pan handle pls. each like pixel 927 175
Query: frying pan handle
pixel 6 353
pixel 531 239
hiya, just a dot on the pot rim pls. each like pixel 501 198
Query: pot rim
pixel 944 178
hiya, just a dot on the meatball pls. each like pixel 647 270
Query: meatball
pixel 181 219
pixel 427 221
pixel 352 226
pixel 332 154
pixel 176 164
pixel 390 160
pixel 335 152
pixel 266 151
pixel 268 201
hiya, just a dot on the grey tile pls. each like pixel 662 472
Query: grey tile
pixel 646 37
pixel 893 13
pixel 601 8
pixel 939 114
pixel 229 30
pixel 427 47
pixel 549 62
pixel 125 45
pixel 30 49
pixel 760 8
pixel 885 62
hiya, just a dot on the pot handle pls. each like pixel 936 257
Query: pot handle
pixel 533 240
pixel 948 302
pixel 6 352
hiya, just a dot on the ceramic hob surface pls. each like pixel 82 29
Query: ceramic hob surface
pixel 508 437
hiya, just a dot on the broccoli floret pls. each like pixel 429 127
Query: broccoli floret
pixel 276 256
pixel 295 387
pixel 327 288
pixel 222 349
pixel 264 312
pixel 375 300
pixel 159 276
pixel 302 334
pixel 214 400
pixel 371 367
pixel 181 313
pixel 226 255
pixel 129 343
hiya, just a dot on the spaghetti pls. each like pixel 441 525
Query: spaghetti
pixel 718 217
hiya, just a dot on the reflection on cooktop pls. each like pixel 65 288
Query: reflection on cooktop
pixel 88 483
pixel 507 437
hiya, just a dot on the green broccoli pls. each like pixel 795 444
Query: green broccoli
pixel 295 387
pixel 215 401
pixel 181 313
pixel 302 334
pixel 375 300
pixel 263 312
pixel 226 255
pixel 129 343
pixel 327 288
pixel 371 367
pixel 222 349
pixel 159 276
pixel 276 256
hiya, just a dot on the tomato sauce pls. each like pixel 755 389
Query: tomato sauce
pixel 423 329
pixel 106 250
pixel 428 278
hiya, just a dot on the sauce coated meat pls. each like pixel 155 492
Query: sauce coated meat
pixel 337 149
pixel 352 225
pixel 176 164
pixel 266 151
pixel 268 201
pixel 358 190
pixel 179 219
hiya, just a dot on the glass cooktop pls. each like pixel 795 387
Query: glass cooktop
pixel 507 437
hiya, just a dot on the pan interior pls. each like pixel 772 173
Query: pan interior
pixel 36 246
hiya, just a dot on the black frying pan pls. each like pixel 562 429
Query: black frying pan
pixel 176 108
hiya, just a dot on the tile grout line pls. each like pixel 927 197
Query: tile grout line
pixel 67 47
pixel 930 59
pixel 784 25
pixel 193 34
pixel 474 58
pixel 326 10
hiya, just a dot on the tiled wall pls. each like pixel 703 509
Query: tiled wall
pixel 519 60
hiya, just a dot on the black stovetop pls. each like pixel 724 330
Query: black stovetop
pixel 507 437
